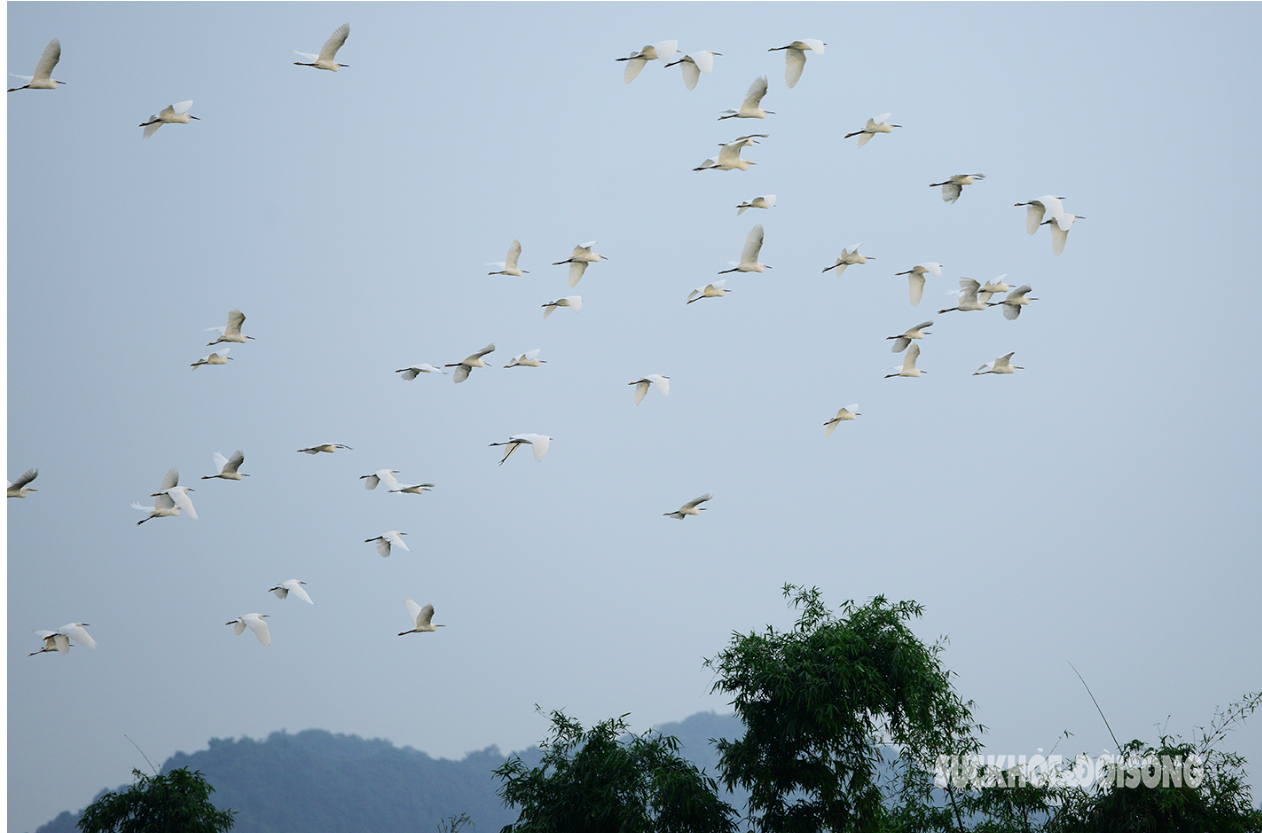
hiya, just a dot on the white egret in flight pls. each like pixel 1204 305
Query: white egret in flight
pixel 991 288
pixel 418 489
pixel 849 257
pixel 253 621
pixel 880 124
pixel 1060 230
pixel 750 108
pixel 325 60
pixel 578 261
pixel 232 331
pixel 642 385
pixel 916 279
pixel 909 364
pixel 463 366
pixel 163 507
pixel 1037 209
pixel 710 290
pixel 537 442
pixel 574 302
pixel 692 507
pixel 795 57
pixel 42 79
pixel 328 448
pixel 508 266
pixel 767 201
pixel 228 466
pixel 1016 299
pixel 528 359
pixel 952 187
pixel 18 488
pixel 381 475
pixel 422 617
pixel 221 357
pixel 967 293
pixel 695 63
pixel 1003 364
pixel 179 494
pixel 749 254
pixel 846 413
pixel 59 640
pixel 410 373
pixel 729 158
pixel 387 476
pixel 386 540
pixel 663 52
pixel 916 332
pixel 171 114
pixel 294 586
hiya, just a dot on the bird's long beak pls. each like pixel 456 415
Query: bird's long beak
pixel 194 117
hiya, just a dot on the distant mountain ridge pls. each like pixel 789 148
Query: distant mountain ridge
pixel 318 782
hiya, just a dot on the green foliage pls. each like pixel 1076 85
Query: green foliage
pixel 454 824
pixel 178 802
pixel 1221 802
pixel 593 781
pixel 819 702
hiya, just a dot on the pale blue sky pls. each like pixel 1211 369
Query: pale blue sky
pixel 1098 507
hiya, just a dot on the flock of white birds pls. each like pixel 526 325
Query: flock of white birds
pixel 172 499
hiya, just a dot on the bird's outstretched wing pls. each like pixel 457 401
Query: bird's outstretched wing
pixel 259 628
pixel 753 245
pixel 539 444
pixel 909 361
pixel 794 63
pixel 52 54
pixel 514 252
pixel 329 51
pixel 415 611
pixel 757 90
pixel 294 586
pixel 75 631
pixel 182 500
pixel 170 480
pixel 1059 236
pixel 235 319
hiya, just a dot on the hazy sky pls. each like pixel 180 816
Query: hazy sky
pixel 1100 506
